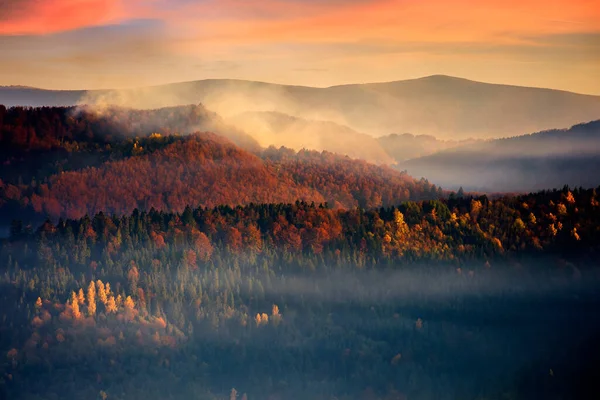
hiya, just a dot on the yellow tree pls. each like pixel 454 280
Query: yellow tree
pixel 75 306
pixel 276 317
pixel 258 319
pixel 91 298
pixel 265 318
pixel 111 305
pixel 38 303
pixel 400 226
pixel 129 304
pixel 101 291
pixel 80 296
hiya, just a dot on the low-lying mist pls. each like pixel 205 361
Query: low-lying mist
pixel 182 120
pixel 526 163
pixel 417 334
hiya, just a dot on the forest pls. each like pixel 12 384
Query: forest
pixel 65 162
pixel 303 300
pixel 178 260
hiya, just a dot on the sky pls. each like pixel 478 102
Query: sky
pixel 92 44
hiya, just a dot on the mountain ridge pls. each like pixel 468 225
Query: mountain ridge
pixel 535 161
pixel 442 106
pixel 423 78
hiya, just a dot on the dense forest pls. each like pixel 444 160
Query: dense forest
pixel 304 301
pixel 66 162
pixel 147 259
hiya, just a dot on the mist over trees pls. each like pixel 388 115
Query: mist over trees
pixel 67 162
pixel 446 107
pixel 301 300
pixel 146 260
pixel 535 161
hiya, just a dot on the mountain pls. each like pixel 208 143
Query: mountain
pixel 272 128
pixel 65 162
pixel 442 106
pixel 33 97
pixel 541 160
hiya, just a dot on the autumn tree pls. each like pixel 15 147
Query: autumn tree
pixel 275 316
pixel 101 291
pixel 129 304
pixel 75 306
pixel 91 299
pixel 111 305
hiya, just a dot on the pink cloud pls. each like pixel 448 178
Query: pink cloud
pixel 50 16
pixel 272 20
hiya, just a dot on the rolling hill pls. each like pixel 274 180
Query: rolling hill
pixel 113 162
pixel 542 160
pixel 442 106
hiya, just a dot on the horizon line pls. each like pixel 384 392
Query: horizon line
pixel 27 87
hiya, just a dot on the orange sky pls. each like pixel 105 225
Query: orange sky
pixel 122 43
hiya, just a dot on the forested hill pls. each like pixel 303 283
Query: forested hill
pixel 523 163
pixel 169 172
pixel 24 129
pixel 560 223
pixel 301 301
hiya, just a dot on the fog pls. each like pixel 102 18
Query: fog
pixel 527 163
pixel 131 122
pixel 430 284
pixel 271 128
pixel 437 334
pixel 445 107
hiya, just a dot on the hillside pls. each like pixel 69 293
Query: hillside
pixel 442 106
pixel 45 128
pixel 208 170
pixel 531 162
pixel 272 128
pixel 38 142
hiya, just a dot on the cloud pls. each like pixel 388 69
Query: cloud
pixel 328 41
pixel 48 16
